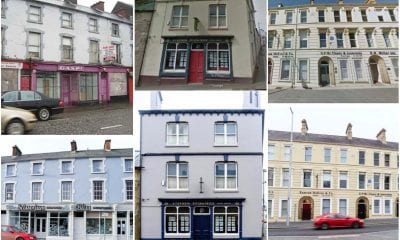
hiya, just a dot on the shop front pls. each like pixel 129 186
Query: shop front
pixel 10 75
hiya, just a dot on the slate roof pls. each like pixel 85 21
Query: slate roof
pixel 331 139
pixel 126 152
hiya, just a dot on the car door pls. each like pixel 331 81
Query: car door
pixel 5 233
pixel 10 99
pixel 27 100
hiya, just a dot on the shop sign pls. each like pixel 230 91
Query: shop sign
pixel 31 207
pixel 383 53
pixel 281 54
pixel 11 65
pixel 341 53
pixel 109 53
pixel 102 208
pixel 317 193
pixel 205 203
pixel 70 68
pixel 82 207
pixel 375 194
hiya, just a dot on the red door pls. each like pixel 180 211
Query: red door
pixel 306 211
pixel 25 83
pixel 196 66
pixel 66 89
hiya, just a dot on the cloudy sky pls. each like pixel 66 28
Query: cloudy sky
pixel 274 3
pixel 108 4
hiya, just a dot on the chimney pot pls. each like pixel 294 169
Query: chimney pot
pixel 107 145
pixel 16 151
pixel 304 127
pixel 349 131
pixel 381 136
pixel 74 147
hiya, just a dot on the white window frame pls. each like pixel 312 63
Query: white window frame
pixel 180 16
pixel 311 178
pixel 288 208
pixel 321 204
pixel 271 151
pixel 270 18
pixel 330 179
pixel 342 69
pixel 288 40
pixel 273 177
pixel 330 155
pixel 124 164
pixel 42 190
pixel 226 133
pixel 70 26
pixel 72 166
pixel 370 39
pixel 384 206
pixel 218 15
pixel 281 68
pixel 43 168
pixel 287 17
pixel 14 191
pixel 379 207
pixel 226 234
pixel 40 13
pixel 326 38
pixel 287 154
pixel 373 182
pixel 347 205
pixel 15 170
pixel 345 151
pixel 103 165
pixel 226 189
pixel 177 135
pixel 300 15
pixel 95 26
pixel 289 180
pixel 104 189
pixel 125 189
pixel 347 179
pixel 365 181
pixel 177 234
pixel 60 189
pixel 305 153
pixel 118 33
pixel 177 177
pixel 387 41
pixel 272 208
pixel 40 46
pixel 218 50
pixel 299 70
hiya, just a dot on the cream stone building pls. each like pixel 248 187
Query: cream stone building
pixel 318 45
pixel 354 176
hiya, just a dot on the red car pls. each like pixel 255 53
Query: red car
pixel 14 233
pixel 336 220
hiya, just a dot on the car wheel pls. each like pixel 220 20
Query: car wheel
pixel 19 238
pixel 44 114
pixel 324 226
pixel 355 225
pixel 15 126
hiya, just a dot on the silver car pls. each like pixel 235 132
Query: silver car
pixel 16 121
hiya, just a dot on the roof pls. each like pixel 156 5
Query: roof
pixel 201 111
pixel 144 5
pixel 335 5
pixel 331 139
pixel 123 6
pixel 126 152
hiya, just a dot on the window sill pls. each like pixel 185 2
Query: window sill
pixel 41 174
pixel 178 29
pixel 177 235
pixel 170 146
pixel 98 172
pixel 67 27
pixel 226 145
pixel 226 191
pixel 177 191
pixel 11 176
pixel 226 235
pixel 217 28
pixel 29 21
pixel 66 173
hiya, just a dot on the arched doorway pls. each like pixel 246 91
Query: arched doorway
pixel 362 207
pixel 378 70
pixel 306 208
pixel 326 73
pixel 269 70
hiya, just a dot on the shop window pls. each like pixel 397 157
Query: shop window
pixel 48 84
pixel 94 51
pixel 37 168
pixel 66 20
pixel 217 16
pixel 177 134
pixel 66 167
pixel 9 191
pixel 88 89
pixel 98 190
pixel 226 176
pixel 20 220
pixel 177 220
pixel 66 191
pixel 180 15
pixel 114 30
pixel 270 177
pixel 93 27
pixel 67 48
pixel 36 191
pixel 34 45
pixel 128 190
pixel 35 14
pixel 128 165
pixel 377 206
pixel 99 223
pixel 226 220
pixel 177 176
pixel 343 207
pixel 225 133
pixel 175 57
pixel 11 170
pixel 218 58
pixel 58 224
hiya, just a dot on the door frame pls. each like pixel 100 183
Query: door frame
pixel 202 50
pixel 366 203
pixel 308 200
pixel 41 225
pixel 332 81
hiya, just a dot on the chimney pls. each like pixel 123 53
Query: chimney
pixel 381 136
pixel 280 5
pixel 98 6
pixel 251 100
pixel 16 152
pixel 304 127
pixel 155 100
pixel 349 131
pixel 311 2
pixel 74 148
pixel 107 145
pixel 340 2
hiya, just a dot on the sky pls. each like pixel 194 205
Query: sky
pixel 108 4
pixel 367 119
pixel 260 7
pixel 274 3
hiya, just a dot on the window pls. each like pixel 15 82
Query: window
pixel 285 177
pixel 37 168
pixel 226 220
pixel 97 166
pixel 270 40
pixel 177 133
pixel 307 178
pixel 3 9
pixel 353 42
pixel 387 182
pixel 303 39
pixel 226 176
pixel 11 170
pixel 364 15
pixel 66 191
pixel 35 14
pixel 343 69
pixel 377 177
pixel 9 191
pixel 343 207
pixel 388 204
pixel 225 133
pixel 117 47
pixel 357 65
pixel 321 16
pixel 376 159
pixel 177 176
pixel 29 96
pixel 395 62
pixel 36 191
pixel 114 30
pixel 327 155
pixel 392 16
pixel 285 69
pixel 48 84
pixel 218 57
pixel 287 39
pixel 272 18
pixel 361 157
pixel 66 20
pixel 336 15
pixel 271 152
pixel 303 70
pixel 98 223
pixel 361 180
pixel 128 165
pixel 34 45
pixel 326 181
pixel 377 206
pixel 180 16
pixel 58 224
pixel 284 208
pixel 387 160
pixel 67 49
pixel 289 17
pixel 177 220
pixel 387 39
pixel 339 39
pixel 343 155
pixel 326 206
pixel 343 179
pixel 270 177
pixel 94 51
pixel 348 15
pixel 88 87
pixel 98 190
pixel 175 57
pixel 303 16
pixel 217 15
pixel 307 154
pixel 287 153
pixel 3 34
pixel 128 190
pixel 93 27
pixel 270 207
pixel 322 39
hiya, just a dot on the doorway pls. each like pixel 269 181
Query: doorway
pixel 66 89
pixel 378 70
pixel 306 205
pixel 362 208
pixel 40 227
pixel 326 72
pixel 269 71
pixel 201 223
pixel 196 65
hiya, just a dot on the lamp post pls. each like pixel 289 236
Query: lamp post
pixel 290 173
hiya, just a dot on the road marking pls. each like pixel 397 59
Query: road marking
pixel 115 126
pixel 339 236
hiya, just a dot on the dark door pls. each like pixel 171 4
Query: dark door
pixel 324 73
pixel 361 211
pixel 196 63
pixel 66 89
pixel 269 72
pixel 201 224
pixel 374 71
pixel 306 215
pixel 397 208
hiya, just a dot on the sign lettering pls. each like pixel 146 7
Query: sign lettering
pixel 70 68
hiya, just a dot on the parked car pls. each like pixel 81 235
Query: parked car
pixel 9 232
pixel 16 121
pixel 33 101
pixel 336 220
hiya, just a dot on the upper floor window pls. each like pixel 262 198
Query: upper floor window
pixel 361 157
pixel 307 177
pixel 217 15
pixel 94 51
pixel 386 37
pixel 303 16
pixel 270 40
pixel 322 39
pixel 175 57
pixel 285 69
pixel 386 183
pixel 326 179
pixel 327 155
pixel 34 45
pixel 36 191
pixel 387 160
pixel 3 8
pixel 392 16
pixel 303 38
pixel 339 39
pixel 98 190
pixel 67 49
pixel 177 220
pixel 226 176
pixel 287 152
pixel 364 15
pixel 285 177
pixel 336 15
pixel 348 15
pixel 226 220
pixel 11 170
pixel 180 15
pixel 377 177
pixel 37 168
pixel 271 152
pixel 93 27
pixel 35 14
pixel 376 159
pixel 114 30
pixel 289 17
pixel 66 191
pixel 117 47
pixel 321 16
pixel 67 167
pixel 97 166
pixel 307 154
pixel 177 176
pixel 178 133
pixel 380 18
pixel 66 20
pixel 9 191
pixel 272 18
pixel 353 42
pixel 225 133
pixel 370 40
pixel 270 177
pixel 218 58
pixel 128 190
pixel 361 180
pixel 287 39
pixel 128 165
pixel 343 179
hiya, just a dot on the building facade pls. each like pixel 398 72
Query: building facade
pixel 201 174
pixel 65 50
pixel 69 195
pixel 342 174
pixel 320 45
pixel 200 42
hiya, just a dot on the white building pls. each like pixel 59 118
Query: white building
pixel 333 44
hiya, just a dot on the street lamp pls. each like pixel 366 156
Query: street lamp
pixel 290 173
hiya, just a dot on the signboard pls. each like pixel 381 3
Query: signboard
pixel 70 68
pixel 11 65
pixel 109 53
pixel 281 54
pixel 375 194
pixel 341 53
pixel 31 207
pixel 82 207
pixel 204 203
pixel 316 193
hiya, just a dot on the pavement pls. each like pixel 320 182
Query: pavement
pixel 309 224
